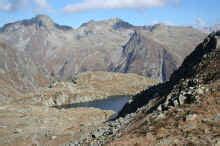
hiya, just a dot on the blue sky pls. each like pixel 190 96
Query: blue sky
pixel 137 12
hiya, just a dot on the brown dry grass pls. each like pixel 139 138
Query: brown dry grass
pixel 91 86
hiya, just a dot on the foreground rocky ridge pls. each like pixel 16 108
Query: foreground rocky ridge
pixel 184 110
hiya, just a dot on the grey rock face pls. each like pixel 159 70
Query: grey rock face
pixel 18 73
pixel 144 56
pixel 110 45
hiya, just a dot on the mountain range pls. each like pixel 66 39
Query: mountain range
pixel 46 68
pixel 108 45
pixel 37 52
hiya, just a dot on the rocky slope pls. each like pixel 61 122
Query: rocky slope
pixel 109 45
pixel 32 119
pixel 145 56
pixel 88 86
pixel 18 74
pixel 156 51
pixel 184 110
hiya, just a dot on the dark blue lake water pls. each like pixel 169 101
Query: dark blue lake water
pixel 114 103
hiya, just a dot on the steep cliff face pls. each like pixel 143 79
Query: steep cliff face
pixel 108 45
pixel 179 41
pixel 144 56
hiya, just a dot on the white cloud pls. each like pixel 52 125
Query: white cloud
pixel 14 5
pixel 5 6
pixel 86 5
pixel 11 5
pixel 42 4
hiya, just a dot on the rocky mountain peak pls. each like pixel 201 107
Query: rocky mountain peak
pixel 118 23
pixel 115 23
pixel 115 20
pixel 87 23
pixel 152 54
pixel 43 20
pixel 158 26
pixel 39 20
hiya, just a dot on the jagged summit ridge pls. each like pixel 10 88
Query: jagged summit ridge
pixel 114 23
pixel 41 21
pixel 101 46
pixel 119 23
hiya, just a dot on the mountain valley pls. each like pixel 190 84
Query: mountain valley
pixel 46 68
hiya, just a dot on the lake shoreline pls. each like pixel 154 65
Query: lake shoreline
pixel 113 103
